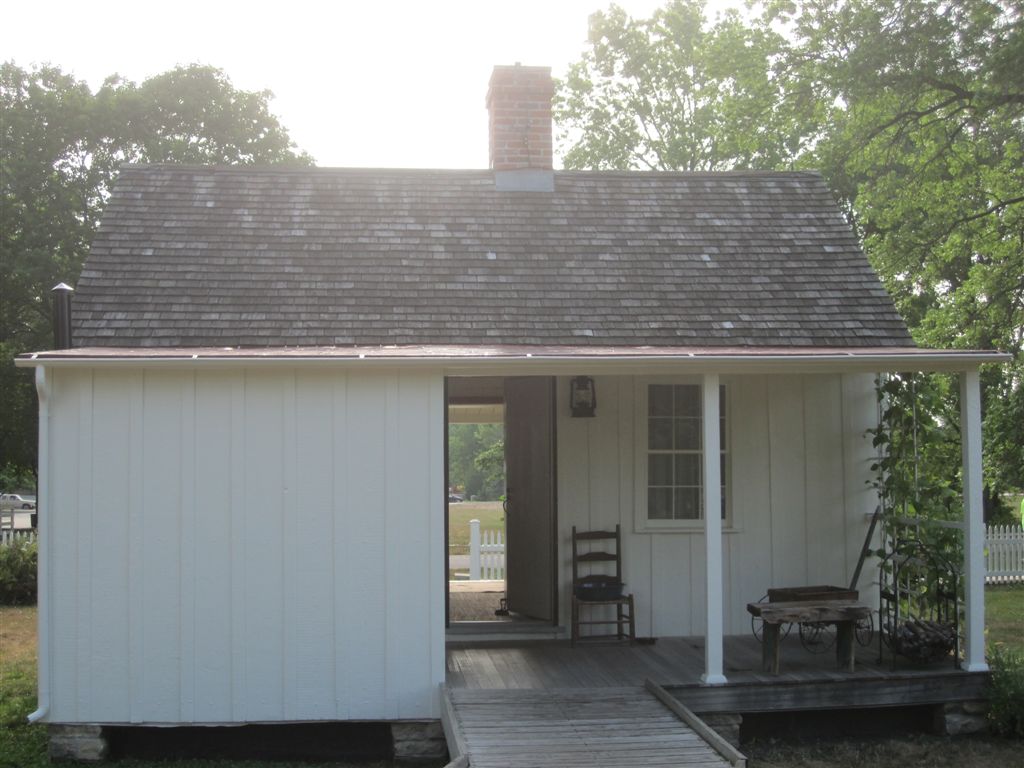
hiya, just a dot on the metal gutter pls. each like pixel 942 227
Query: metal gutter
pixel 539 363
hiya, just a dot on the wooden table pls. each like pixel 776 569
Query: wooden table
pixel 843 613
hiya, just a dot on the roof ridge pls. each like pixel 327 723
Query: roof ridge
pixel 356 170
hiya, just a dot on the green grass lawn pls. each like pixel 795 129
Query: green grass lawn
pixel 1004 617
pixel 20 743
pixel 489 513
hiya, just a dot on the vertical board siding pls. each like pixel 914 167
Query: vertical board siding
pixel 311 669
pixel 87 530
pixel 823 499
pixel 751 498
pixel 263 594
pixel 409 530
pixel 237 552
pixel 366 626
pixel 671 585
pixel 788 480
pixel 799 470
pixel 246 546
pixel 211 579
pixel 161 619
pixel 110 529
pixel 343 550
pixel 860 413
pixel 65 619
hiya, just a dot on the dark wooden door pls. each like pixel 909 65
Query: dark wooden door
pixel 530 508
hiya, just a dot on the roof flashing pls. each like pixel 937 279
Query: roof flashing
pixel 526 180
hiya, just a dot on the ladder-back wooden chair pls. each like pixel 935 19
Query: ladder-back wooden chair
pixel 593 587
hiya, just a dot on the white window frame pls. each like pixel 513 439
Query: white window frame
pixel 641 522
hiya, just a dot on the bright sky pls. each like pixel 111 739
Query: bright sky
pixel 372 84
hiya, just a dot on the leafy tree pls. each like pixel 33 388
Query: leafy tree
pixel 928 154
pixel 491 462
pixel 17 479
pixel 476 459
pixel 676 92
pixel 192 115
pixel 913 110
pixel 60 150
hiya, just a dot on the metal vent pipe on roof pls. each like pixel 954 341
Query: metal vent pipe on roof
pixel 62 315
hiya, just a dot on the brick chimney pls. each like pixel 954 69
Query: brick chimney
pixel 519 102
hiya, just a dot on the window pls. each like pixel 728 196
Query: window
pixel 671 456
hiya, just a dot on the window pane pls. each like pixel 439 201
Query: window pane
pixel 688 468
pixel 687 434
pixel 659 434
pixel 687 506
pixel 659 503
pixel 687 401
pixel 675 442
pixel 659 469
pixel 659 400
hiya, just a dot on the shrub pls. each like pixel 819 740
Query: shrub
pixel 1006 696
pixel 18 572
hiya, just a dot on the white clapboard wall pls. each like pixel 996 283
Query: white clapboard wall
pixel 245 545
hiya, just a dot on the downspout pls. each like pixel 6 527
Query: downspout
pixel 43 521
pixel 62 340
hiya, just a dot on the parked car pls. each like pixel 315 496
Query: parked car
pixel 12 501
pixel 454 498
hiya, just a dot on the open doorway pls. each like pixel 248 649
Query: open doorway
pixel 476 493
pixel 500 522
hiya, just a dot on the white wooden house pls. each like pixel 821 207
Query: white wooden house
pixel 242 480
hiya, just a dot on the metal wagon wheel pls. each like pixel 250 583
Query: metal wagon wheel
pixel 817 636
pixel 757 626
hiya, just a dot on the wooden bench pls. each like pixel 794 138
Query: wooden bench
pixel 843 613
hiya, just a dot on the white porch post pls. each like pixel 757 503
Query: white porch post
pixel 974 524
pixel 713 653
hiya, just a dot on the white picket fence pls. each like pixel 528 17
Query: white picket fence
pixel 8 536
pixel 486 553
pixel 1004 554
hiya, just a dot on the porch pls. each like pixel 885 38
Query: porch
pixel 807 680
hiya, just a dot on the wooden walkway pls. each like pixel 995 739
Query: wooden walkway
pixel 572 727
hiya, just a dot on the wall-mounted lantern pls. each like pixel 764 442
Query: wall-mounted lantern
pixel 582 396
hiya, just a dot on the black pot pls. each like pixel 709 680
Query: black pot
pixel 595 588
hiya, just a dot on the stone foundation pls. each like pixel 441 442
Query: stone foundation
pixel 83 743
pixel 419 741
pixel 961 717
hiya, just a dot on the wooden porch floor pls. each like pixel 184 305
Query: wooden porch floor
pixel 806 681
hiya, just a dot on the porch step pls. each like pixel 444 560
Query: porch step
pixel 502 631
pixel 574 727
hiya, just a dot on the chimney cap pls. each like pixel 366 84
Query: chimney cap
pixel 62 287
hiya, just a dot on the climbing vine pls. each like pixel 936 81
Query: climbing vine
pixel 917 470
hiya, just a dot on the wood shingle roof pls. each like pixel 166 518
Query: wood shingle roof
pixel 199 256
